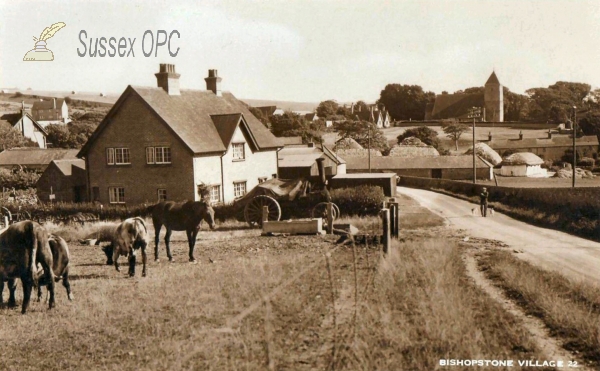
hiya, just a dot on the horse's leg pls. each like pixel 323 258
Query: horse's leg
pixel 12 286
pixel 116 258
pixel 48 280
pixel 1 291
pixel 143 247
pixel 27 283
pixel 157 228
pixel 192 242
pixel 131 262
pixel 67 285
pixel 167 239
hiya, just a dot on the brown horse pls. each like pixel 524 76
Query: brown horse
pixel 187 216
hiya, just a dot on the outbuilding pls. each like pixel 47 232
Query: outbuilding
pixel 523 164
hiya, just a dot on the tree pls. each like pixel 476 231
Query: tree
pixel 291 124
pixel 555 102
pixel 359 131
pixel 454 130
pixel 12 138
pixel 327 109
pixel 425 134
pixel 260 116
pixel 405 101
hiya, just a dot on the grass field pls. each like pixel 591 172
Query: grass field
pixel 257 302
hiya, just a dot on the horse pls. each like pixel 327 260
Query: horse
pixel 131 235
pixel 60 265
pixel 186 216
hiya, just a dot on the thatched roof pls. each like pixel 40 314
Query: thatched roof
pixel 486 152
pixel 358 153
pixel 346 143
pixel 413 151
pixel 413 141
pixel 522 158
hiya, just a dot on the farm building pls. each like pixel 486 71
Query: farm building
pixel 299 161
pixel 26 125
pixel 349 147
pixel 387 181
pixel 164 143
pixel 522 164
pixel 551 148
pixel 65 179
pixel 54 111
pixel 413 147
pixel 442 167
pixel 381 118
pixel 34 158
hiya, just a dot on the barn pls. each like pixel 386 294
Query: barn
pixel 34 158
pixel 65 180
pixel 300 161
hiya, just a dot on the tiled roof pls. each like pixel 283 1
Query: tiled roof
pixel 393 163
pixel 522 158
pixel 47 104
pixel 555 141
pixel 413 151
pixel 455 105
pixel 35 156
pixel 290 140
pixel 66 166
pixel 189 116
pixel 303 156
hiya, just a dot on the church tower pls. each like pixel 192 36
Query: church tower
pixel 494 99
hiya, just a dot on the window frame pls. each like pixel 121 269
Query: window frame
pixel 158 194
pixel 215 188
pixel 243 151
pixel 124 150
pixel 110 156
pixel 152 155
pixel 235 188
pixel 119 193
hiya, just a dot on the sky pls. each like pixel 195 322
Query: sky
pixel 303 50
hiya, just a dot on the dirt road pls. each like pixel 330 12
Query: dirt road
pixel 573 256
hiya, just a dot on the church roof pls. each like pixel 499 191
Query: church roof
pixel 493 79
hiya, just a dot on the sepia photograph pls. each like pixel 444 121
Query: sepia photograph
pixel 299 185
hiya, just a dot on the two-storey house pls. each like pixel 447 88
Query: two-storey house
pixel 164 143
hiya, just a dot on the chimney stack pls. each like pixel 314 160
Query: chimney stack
pixel 490 136
pixel 549 134
pixel 168 79
pixel 521 135
pixel 213 82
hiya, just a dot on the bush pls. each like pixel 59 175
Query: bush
pixel 18 179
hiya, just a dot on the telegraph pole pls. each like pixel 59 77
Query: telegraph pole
pixel 574 125
pixel 474 112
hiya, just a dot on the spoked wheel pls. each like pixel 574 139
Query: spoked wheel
pixel 23 215
pixel 320 211
pixel 253 210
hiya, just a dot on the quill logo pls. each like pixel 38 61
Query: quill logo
pixel 40 52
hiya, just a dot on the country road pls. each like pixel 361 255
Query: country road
pixel 573 256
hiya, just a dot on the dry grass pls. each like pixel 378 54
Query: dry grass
pixel 570 309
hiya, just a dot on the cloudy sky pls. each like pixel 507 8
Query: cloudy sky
pixel 306 50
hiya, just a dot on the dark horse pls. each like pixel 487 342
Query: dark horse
pixel 187 216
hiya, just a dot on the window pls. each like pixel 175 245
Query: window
pixel 262 179
pixel 239 189
pixel 122 156
pixel 162 194
pixel 117 156
pixel 158 155
pixel 238 151
pixel 110 156
pixel 215 193
pixel 116 195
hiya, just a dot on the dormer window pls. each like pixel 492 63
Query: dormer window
pixel 238 151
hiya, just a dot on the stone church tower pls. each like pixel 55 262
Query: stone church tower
pixel 494 99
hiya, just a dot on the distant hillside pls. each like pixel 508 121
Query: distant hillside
pixel 285 105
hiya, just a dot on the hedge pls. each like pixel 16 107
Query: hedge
pixel 573 210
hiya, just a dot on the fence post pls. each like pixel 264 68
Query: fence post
pixel 385 215
pixel 395 219
pixel 329 218
pixel 265 214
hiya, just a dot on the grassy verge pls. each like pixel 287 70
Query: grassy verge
pixel 424 308
pixel 570 309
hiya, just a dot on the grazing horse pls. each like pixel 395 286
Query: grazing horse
pixel 130 236
pixel 60 265
pixel 186 217
pixel 21 246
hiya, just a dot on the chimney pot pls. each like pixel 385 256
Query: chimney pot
pixel 490 136
pixel 521 135
pixel 549 134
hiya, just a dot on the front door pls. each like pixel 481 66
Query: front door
pixel 436 173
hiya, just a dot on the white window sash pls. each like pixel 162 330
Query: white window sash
pixel 150 158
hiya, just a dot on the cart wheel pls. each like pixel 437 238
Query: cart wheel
pixel 253 210
pixel 23 215
pixel 320 211
pixel 7 213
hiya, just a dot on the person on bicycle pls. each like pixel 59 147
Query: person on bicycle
pixel 483 201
